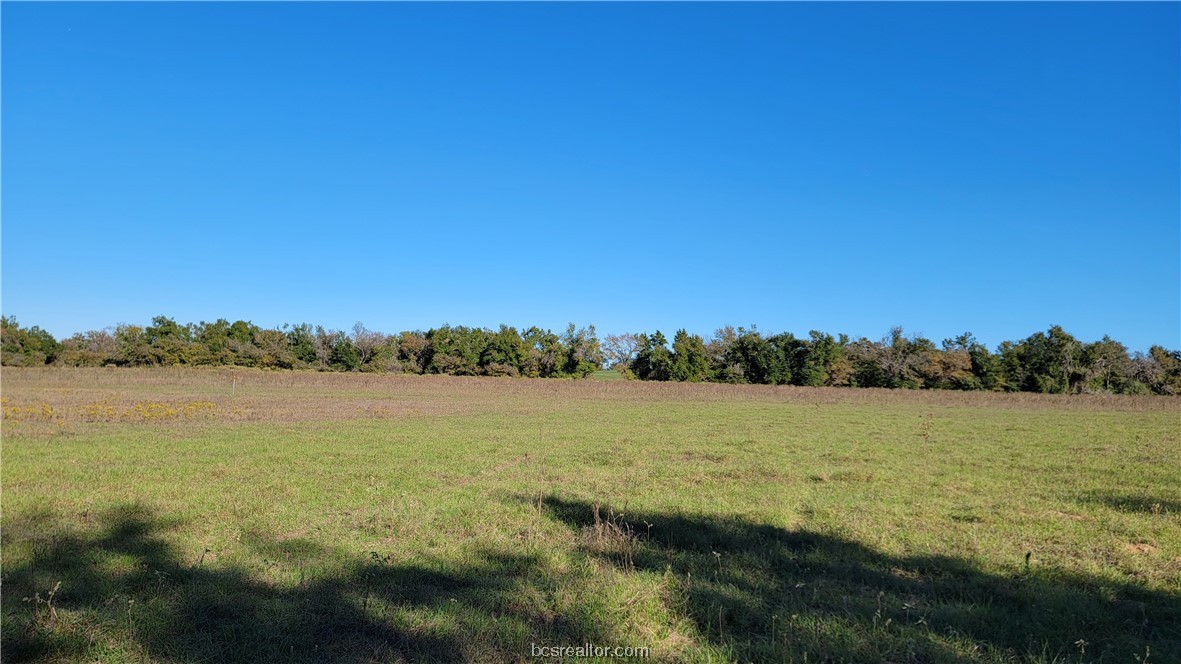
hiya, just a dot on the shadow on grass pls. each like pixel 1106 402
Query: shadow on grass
pixel 1132 503
pixel 751 591
pixel 126 593
pixel 763 593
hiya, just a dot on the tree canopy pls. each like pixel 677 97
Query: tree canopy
pixel 1052 361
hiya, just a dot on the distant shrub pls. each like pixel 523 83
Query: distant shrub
pixel 501 369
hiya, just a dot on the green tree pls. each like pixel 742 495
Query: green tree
pixel 505 353
pixel 242 331
pixel 546 354
pixel 301 341
pixel 722 368
pixel 26 347
pixel 792 355
pixel 456 350
pixel 343 354
pixel 1048 361
pixel 583 354
pixel 689 362
pixel 757 360
pixel 1108 366
pixel 170 343
pixel 821 358
pixel 134 349
pixel 213 342
pixel 653 359
pixel 241 346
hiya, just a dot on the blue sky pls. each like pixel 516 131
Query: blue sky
pixel 995 167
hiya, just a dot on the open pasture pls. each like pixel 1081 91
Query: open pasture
pixel 187 515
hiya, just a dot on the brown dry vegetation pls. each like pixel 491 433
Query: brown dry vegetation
pixel 61 399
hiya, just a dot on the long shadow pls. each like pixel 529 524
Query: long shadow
pixel 763 593
pixel 753 591
pixel 125 583
pixel 1132 502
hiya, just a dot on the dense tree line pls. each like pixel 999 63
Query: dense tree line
pixel 460 351
pixel 1051 361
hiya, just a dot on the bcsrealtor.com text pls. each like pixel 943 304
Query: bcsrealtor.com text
pixel 587 650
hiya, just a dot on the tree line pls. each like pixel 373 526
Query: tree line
pixel 460 351
pixel 1052 361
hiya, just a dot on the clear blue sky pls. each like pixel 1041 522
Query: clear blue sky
pixel 995 167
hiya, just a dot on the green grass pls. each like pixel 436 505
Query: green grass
pixel 706 529
pixel 607 374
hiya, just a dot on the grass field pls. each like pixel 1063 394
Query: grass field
pixel 247 516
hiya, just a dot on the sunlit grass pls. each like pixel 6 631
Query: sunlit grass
pixel 463 520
